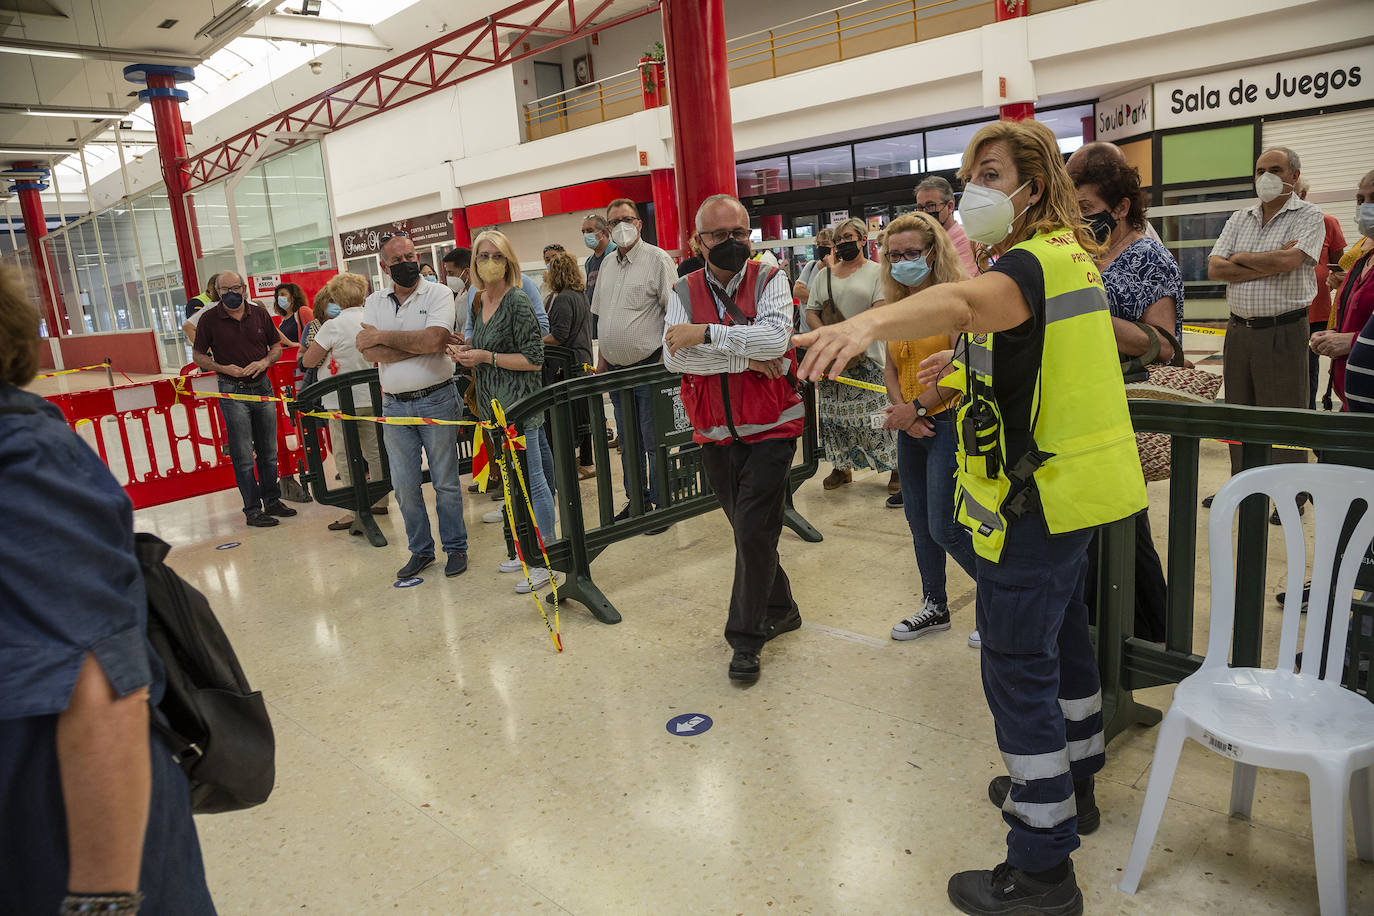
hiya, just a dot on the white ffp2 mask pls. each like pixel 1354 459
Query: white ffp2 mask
pixel 987 213
pixel 624 235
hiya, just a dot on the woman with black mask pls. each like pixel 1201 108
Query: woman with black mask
pixel 851 437
pixel 825 246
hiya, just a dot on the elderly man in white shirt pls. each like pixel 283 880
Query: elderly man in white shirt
pixel 405 330
pixel 631 299
pixel 1267 255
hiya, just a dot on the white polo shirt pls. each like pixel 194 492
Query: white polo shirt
pixel 429 306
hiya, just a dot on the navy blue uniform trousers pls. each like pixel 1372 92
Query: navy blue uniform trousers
pixel 1041 682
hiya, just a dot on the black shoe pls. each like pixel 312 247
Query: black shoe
pixel 457 564
pixel 1089 816
pixel 1274 516
pixel 745 665
pixel 894 501
pixel 1207 501
pixel 653 531
pixel 418 561
pixel 1013 892
pixel 260 519
pixel 786 625
pixel 280 509
pixel 623 514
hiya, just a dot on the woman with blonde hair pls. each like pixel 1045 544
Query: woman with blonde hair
pixel 1046 455
pixel 332 348
pixel 852 286
pixel 916 255
pixel 506 352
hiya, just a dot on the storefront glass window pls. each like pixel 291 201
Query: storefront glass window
pixel 299 209
pixel 889 157
pixel 1191 236
pixel 1067 124
pixel 762 176
pixel 822 167
pixel 945 147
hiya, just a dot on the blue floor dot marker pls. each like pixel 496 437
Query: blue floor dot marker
pixel 229 546
pixel 407 583
pixel 687 724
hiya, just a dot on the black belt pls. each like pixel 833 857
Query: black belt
pixel 416 395
pixel 651 359
pixel 1271 321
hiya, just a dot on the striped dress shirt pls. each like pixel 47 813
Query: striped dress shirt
pixel 1279 293
pixel 631 297
pixel 732 346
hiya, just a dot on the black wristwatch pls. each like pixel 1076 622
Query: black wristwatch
pixel 706 333
pixel 920 408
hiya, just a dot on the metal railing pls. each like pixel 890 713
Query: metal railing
pixel 1127 662
pixel 604 100
pixel 842 33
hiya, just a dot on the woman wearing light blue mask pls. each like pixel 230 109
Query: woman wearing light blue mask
pixel 917 254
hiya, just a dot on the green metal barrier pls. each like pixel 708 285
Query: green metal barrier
pixel 1126 662
pixel 688 493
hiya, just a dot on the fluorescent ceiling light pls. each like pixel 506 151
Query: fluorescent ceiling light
pixel 40 52
pixel 46 112
pixel 231 19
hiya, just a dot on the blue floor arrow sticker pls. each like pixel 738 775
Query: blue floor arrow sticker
pixel 689 723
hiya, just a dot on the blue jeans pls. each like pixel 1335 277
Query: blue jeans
pixel 926 467
pixel 648 467
pixel 541 474
pixel 440 445
pixel 546 462
pixel 252 432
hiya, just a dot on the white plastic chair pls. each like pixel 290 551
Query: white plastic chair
pixel 1282 718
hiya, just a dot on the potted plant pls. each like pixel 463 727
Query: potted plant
pixel 652 72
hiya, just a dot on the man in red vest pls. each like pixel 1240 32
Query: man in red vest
pixel 728 334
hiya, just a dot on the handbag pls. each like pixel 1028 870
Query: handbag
pixel 1174 381
pixel 831 314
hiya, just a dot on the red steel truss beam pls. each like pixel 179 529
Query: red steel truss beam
pixel 413 75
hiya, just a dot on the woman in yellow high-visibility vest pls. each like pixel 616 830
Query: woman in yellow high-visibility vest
pixel 1046 454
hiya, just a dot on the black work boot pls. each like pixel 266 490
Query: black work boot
pixel 1009 891
pixel 1089 817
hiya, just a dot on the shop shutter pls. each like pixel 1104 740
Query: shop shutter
pixel 1335 153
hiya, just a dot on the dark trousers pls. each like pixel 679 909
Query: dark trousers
pixel 648 444
pixel 1041 682
pixel 751 481
pixel 251 429
pixel 1266 367
pixel 1314 363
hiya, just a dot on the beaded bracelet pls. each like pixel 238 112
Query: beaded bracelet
pixel 122 904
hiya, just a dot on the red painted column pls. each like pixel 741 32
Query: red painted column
pixel 165 101
pixel 771 226
pixel 1089 124
pixel 699 93
pixel 667 219
pixel 1015 111
pixel 462 235
pixel 35 230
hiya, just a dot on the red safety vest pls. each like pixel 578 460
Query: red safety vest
pixel 748 405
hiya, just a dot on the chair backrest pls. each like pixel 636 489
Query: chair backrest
pixel 1334 489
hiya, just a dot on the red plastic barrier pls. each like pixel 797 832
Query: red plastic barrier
pixel 162 445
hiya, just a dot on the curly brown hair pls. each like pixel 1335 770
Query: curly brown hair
pixel 1115 182
pixel 563 273
pixel 18 331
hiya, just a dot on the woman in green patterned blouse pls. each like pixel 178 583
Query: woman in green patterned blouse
pixel 506 354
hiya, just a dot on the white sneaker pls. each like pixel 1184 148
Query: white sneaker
pixel 509 566
pixel 974 640
pixel 494 517
pixel 539 577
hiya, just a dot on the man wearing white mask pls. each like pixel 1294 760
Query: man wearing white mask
pixel 630 302
pixel 1267 256
pixel 458 270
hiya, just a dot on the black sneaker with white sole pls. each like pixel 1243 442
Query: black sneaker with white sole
pixel 1089 815
pixel 1009 891
pixel 932 618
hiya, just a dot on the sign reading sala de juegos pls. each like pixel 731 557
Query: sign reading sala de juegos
pixel 1291 85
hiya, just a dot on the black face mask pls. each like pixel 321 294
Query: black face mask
pixel 1101 225
pixel 730 255
pixel 822 251
pixel 847 251
pixel 405 274
pixel 231 301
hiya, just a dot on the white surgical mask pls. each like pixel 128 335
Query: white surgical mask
pixel 1268 186
pixel 987 213
pixel 1364 220
pixel 456 284
pixel 625 234
pixel 589 239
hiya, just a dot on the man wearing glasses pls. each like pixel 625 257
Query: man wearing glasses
pixel 729 331
pixel 935 198
pixel 405 331
pixel 237 341
pixel 631 299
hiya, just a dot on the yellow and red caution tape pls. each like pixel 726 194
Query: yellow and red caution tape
pixel 1199 329
pixel 104 365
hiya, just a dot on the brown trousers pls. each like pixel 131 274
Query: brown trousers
pixel 1266 367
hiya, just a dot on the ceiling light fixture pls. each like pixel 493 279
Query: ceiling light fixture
pixel 40 52
pixel 96 113
pixel 231 19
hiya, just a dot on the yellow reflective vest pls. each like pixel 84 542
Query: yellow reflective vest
pixel 1081 468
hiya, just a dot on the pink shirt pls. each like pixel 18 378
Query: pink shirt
pixel 961 244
